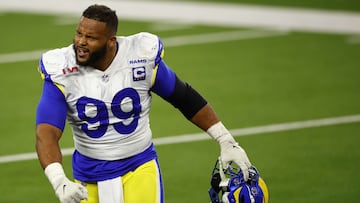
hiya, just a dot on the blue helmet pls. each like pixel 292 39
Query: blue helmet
pixel 228 186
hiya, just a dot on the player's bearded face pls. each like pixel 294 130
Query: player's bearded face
pixel 86 57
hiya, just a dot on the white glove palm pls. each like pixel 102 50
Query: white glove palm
pixel 231 151
pixel 66 190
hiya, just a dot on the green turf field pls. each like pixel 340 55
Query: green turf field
pixel 340 5
pixel 291 77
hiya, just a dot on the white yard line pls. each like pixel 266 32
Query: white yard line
pixel 20 56
pixel 220 37
pixel 203 136
pixel 354 39
pixel 168 42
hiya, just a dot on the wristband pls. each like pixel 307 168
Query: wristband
pixel 220 133
pixel 54 173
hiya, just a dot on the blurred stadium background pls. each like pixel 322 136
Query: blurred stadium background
pixel 254 76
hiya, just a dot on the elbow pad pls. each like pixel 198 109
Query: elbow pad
pixel 186 99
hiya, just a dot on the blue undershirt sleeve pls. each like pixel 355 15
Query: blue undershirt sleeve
pixel 52 106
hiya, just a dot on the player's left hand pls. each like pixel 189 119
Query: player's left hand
pixel 231 151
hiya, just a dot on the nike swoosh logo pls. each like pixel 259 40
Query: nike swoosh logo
pixel 64 188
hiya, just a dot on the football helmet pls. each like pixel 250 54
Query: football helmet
pixel 228 185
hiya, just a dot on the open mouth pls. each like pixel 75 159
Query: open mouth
pixel 82 52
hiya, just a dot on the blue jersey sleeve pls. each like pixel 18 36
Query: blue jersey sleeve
pixel 52 106
pixel 164 81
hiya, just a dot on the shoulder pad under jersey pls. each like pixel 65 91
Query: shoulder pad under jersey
pixel 148 46
pixel 53 62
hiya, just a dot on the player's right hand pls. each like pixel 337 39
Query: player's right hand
pixel 67 191
pixel 230 151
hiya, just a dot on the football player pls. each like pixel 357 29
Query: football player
pixel 101 84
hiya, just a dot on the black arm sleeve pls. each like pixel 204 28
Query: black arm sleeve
pixel 186 99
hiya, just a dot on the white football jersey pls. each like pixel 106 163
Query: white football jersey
pixel 108 110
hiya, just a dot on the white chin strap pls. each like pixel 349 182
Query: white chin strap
pixel 224 180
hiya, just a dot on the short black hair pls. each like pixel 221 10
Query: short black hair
pixel 103 14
